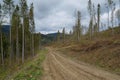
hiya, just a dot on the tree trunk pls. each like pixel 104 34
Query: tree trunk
pixel 39 41
pixel 112 14
pixel 108 17
pixel 2 55
pixel 23 43
pixel 10 40
pixel 17 44
pixel 33 44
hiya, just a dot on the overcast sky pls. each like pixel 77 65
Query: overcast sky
pixel 53 15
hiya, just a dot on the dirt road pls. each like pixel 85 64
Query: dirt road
pixel 58 67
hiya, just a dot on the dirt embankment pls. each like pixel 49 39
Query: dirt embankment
pixel 105 54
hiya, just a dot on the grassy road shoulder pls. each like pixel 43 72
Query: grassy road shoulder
pixel 33 69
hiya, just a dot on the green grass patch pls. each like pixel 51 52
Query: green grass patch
pixel 32 70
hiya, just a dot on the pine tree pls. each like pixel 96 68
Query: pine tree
pixel 117 13
pixel 23 15
pixel 98 18
pixel 32 26
pixel 16 25
pixel 112 17
pixel 39 40
pixel 90 29
pixel 109 6
pixel 1 38
pixel 13 33
pixel 78 25
pixel 58 36
pixel 63 35
pixel 77 28
pixel 94 28
pixel 8 9
pixel 90 10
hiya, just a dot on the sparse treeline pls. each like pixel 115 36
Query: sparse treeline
pixel 19 44
pixel 95 23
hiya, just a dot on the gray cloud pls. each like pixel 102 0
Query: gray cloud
pixel 53 15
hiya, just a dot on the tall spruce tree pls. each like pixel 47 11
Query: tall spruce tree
pixel 90 10
pixel 109 6
pixel 8 9
pixel 78 25
pixel 112 17
pixel 24 7
pixel 98 18
pixel 32 26
pixel 1 38
pixel 16 25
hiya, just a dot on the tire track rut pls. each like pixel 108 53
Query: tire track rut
pixel 58 67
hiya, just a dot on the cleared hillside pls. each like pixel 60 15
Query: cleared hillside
pixel 102 51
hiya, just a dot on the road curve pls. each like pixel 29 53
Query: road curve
pixel 58 67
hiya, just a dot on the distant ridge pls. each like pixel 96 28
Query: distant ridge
pixel 6 29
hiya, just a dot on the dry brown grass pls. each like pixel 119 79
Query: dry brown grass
pixel 103 52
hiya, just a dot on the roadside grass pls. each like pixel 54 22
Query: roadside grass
pixel 32 70
pixel 3 73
